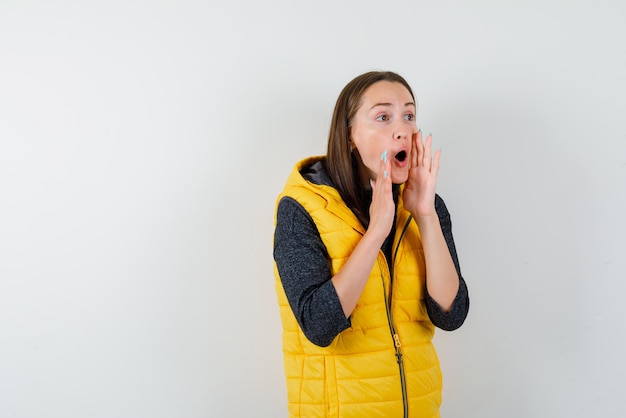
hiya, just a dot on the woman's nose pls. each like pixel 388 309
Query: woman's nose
pixel 400 134
pixel 400 130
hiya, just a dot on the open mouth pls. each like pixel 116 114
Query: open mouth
pixel 401 156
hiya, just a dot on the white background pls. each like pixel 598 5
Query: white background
pixel 143 144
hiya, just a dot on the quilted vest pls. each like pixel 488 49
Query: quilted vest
pixel 384 365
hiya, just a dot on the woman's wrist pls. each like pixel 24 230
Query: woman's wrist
pixel 425 216
pixel 425 221
pixel 374 238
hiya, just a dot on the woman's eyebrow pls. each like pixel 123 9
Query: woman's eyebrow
pixel 390 104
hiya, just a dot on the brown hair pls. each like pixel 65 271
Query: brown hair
pixel 342 164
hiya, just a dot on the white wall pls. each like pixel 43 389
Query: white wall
pixel 142 145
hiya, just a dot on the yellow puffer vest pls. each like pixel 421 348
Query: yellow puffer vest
pixel 384 365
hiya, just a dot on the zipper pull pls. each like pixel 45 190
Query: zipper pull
pixel 396 338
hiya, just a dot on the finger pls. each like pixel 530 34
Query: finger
pixel 387 164
pixel 419 155
pixel 382 167
pixel 428 151
pixel 435 169
pixel 383 177
pixel 414 140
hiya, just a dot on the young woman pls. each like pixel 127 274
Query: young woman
pixel 365 263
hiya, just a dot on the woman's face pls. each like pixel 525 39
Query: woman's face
pixel 385 121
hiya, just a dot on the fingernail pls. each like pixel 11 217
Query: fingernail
pixel 383 156
pixel 385 174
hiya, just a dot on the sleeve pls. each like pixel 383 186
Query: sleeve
pixel 453 319
pixel 302 263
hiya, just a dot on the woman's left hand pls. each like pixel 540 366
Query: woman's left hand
pixel 419 191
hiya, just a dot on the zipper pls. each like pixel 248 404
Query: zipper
pixel 392 328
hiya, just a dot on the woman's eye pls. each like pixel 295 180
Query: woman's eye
pixel 409 117
pixel 382 118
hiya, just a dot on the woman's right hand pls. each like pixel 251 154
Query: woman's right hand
pixel 382 209
pixel 350 280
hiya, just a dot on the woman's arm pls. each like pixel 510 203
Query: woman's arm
pixel 302 263
pixel 442 275
pixel 442 279
pixel 350 280
pixel 454 317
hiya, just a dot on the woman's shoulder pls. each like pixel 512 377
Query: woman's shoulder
pixel 292 216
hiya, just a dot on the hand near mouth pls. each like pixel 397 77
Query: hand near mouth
pixel 382 208
pixel 419 191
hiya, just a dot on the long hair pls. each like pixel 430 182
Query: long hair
pixel 341 163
